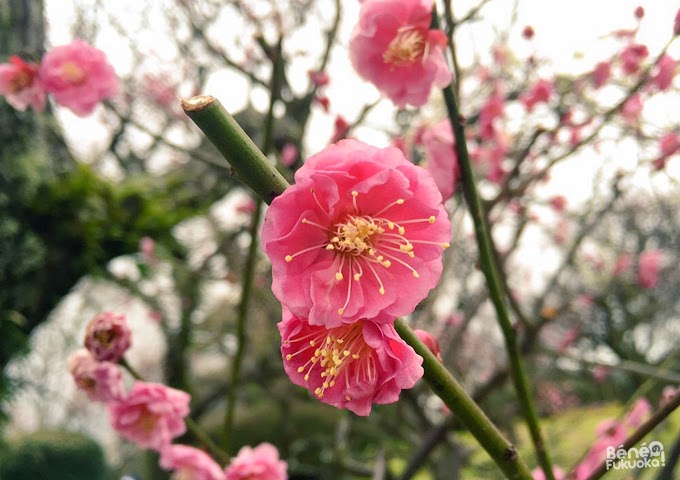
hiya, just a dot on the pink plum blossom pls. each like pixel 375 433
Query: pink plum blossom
pixel 151 415
pixel 360 233
pixel 108 336
pixel 558 202
pixel 632 57
pixel 649 264
pixel 430 342
pixel 393 47
pixel 609 433
pixel 190 463
pixel 101 381
pixel 147 250
pixel 632 109
pixel 490 111
pixel 538 474
pixel 340 129
pixel 289 153
pixel 665 71
pixel 669 144
pixel 601 74
pixel 78 76
pixel 319 79
pixel 668 394
pixel 259 463
pixel 623 264
pixel 352 366
pixel 540 92
pixel 638 413
pixel 21 85
pixel 442 161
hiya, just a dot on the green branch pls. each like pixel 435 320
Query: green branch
pixel 503 453
pixel 248 163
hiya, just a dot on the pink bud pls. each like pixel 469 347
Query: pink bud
pixel 430 342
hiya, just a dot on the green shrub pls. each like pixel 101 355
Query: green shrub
pixel 53 455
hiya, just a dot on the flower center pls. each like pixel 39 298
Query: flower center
pixel 104 337
pixel 72 73
pixel 335 352
pixel 146 421
pixel 406 47
pixel 20 81
pixel 366 242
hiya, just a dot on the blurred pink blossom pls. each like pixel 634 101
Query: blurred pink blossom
pixel 669 392
pixel 108 336
pixel 318 79
pixel 540 92
pixel 665 72
pixel 78 76
pixel 632 57
pixel 538 474
pixel 101 381
pixel 558 202
pixel 601 74
pixel 623 264
pixel 430 342
pixel 442 161
pixel 352 366
pixel 340 129
pixel 393 47
pixel 147 249
pixel 259 463
pixel 600 373
pixel 151 415
pixel 190 463
pixel 21 86
pixel 289 153
pixel 632 109
pixel 638 413
pixel 649 263
pixel 388 231
pixel 490 111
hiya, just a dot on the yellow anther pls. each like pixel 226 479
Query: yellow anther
pixel 338 276
pixel 340 341
pixel 346 353
pixel 306 377
pixel 402 230
pixel 400 201
pixel 415 274
pixel 288 258
pixel 325 384
pixel 387 264
pixel 330 247
pixel 357 276
pixel 312 343
pixel 390 225
pixel 431 219
pixel 348 398
pixel 304 220
pixel 301 369
pixel 355 356
pixel 331 383
pixel 355 193
pixel 289 356
pixel 411 254
pixel 341 311
pixel 446 244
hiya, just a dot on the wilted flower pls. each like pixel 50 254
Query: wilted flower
pixel 107 336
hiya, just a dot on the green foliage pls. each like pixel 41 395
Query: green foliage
pixel 53 455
